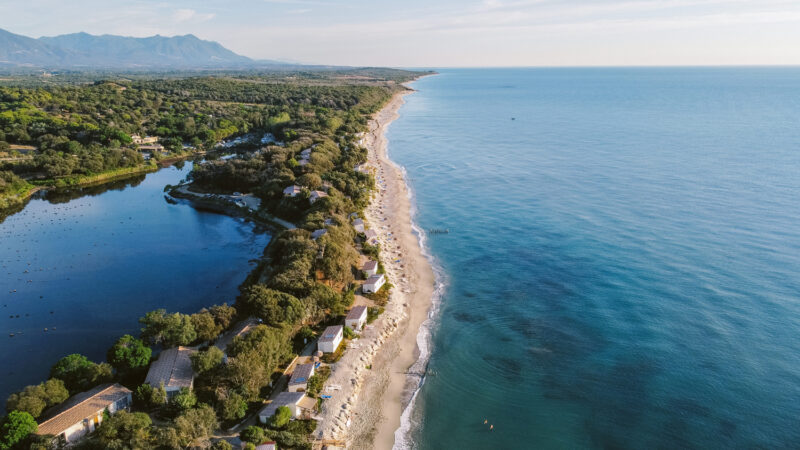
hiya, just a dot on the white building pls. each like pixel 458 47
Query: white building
pixel 370 268
pixel 373 284
pixel 300 405
pixel 316 195
pixel 356 318
pixel 299 380
pixel 173 368
pixel 138 140
pixel 83 413
pixel 292 191
pixel 330 339
pixel 358 224
pixel 372 237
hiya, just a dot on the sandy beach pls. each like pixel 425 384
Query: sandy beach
pixel 366 403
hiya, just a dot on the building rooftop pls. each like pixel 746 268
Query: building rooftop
pixel 358 222
pixel 294 189
pixel 301 374
pixel 370 265
pixel 370 234
pixel 330 333
pixel 173 368
pixel 318 233
pixel 374 279
pixel 82 406
pixel 356 313
pixel 282 399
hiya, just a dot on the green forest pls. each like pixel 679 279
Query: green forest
pixel 300 286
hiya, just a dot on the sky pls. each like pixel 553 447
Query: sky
pixel 446 33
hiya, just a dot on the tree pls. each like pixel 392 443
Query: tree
pixel 252 434
pixel 195 425
pixel 35 399
pixel 205 326
pixel 149 397
pixel 274 307
pixel 234 407
pixel 167 437
pixel 124 431
pixel 223 314
pixel 16 426
pixel 80 374
pixel 185 399
pixel 168 330
pixel 281 417
pixel 222 445
pixel 204 361
pixel 254 357
pixel 129 354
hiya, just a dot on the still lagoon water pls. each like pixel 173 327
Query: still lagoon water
pixel 623 262
pixel 87 264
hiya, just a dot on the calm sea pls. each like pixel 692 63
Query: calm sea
pixel 87 264
pixel 623 263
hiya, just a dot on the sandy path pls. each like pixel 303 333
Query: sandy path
pixel 366 411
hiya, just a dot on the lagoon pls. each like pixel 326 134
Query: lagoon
pixel 85 264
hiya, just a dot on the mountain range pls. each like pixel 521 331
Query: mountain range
pixel 83 50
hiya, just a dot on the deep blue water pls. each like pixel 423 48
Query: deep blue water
pixel 98 262
pixel 623 265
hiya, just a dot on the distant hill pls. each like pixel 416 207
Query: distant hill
pixel 83 50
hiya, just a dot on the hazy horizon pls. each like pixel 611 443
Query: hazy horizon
pixel 480 33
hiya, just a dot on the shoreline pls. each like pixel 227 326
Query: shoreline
pixel 403 350
pixel 380 394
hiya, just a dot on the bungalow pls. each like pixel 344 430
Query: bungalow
pixel 173 368
pixel 83 413
pixel 299 380
pixel 292 191
pixel 270 445
pixel 356 318
pixel 318 234
pixel 330 339
pixel 358 224
pixel 373 284
pixel 370 268
pixel 372 237
pixel 305 154
pixel 316 195
pixel 297 402
pixel 138 140
pixel 151 148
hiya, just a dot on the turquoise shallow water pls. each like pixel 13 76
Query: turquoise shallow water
pixel 623 263
pixel 100 258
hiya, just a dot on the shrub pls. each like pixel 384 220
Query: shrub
pixel 281 417
pixel 252 434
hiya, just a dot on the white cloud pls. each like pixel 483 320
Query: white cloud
pixel 186 15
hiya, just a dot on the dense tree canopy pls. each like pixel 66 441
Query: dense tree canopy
pixel 35 399
pixel 14 428
pixel 129 354
pixel 79 374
